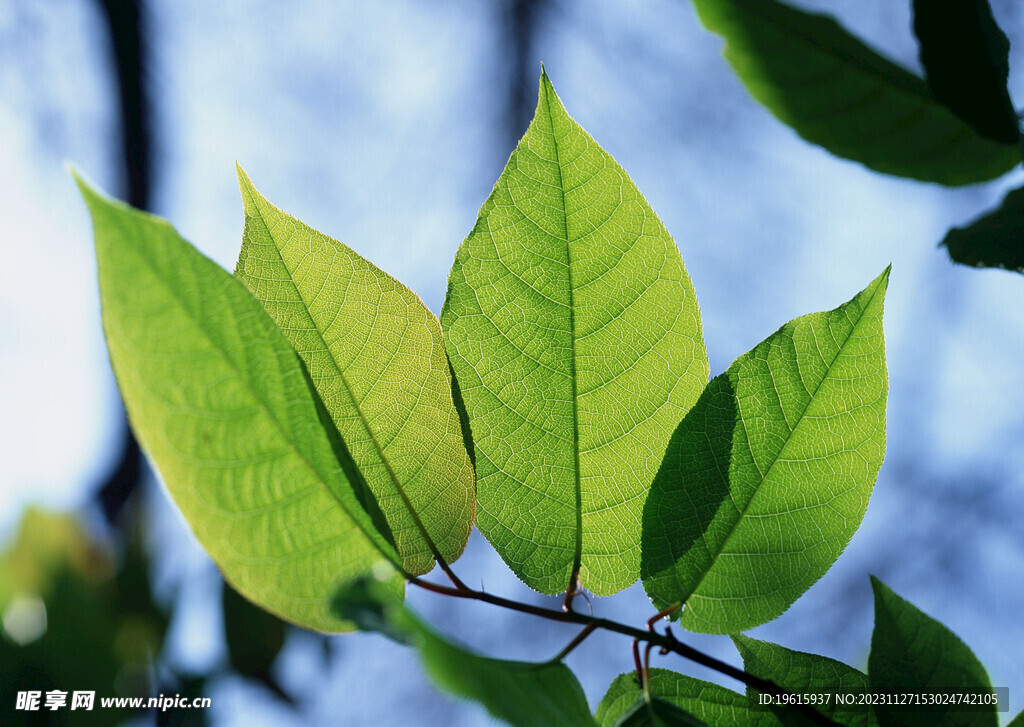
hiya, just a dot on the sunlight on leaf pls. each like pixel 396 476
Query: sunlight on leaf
pixel 375 354
pixel 574 332
pixel 222 404
pixel 768 477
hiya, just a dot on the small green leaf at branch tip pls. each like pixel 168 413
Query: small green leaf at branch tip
pixel 838 93
pixel 966 61
pixel 768 476
pixel 994 240
pixel 520 693
pixel 803 673
pixel 913 653
pixel 702 701
pixel 574 333
pixel 222 404
pixel 376 356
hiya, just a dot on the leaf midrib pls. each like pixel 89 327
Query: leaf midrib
pixel 351 394
pixel 782 449
pixel 156 271
pixel 577 562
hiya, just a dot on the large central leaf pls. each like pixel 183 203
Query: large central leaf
pixel 374 352
pixel 221 402
pixel 575 337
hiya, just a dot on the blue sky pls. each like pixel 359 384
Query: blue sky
pixel 381 125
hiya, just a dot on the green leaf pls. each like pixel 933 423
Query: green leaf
pixel 574 332
pixel 966 61
pixel 768 476
pixel 657 713
pixel 520 693
pixel 704 701
pixel 253 639
pixel 1017 721
pixel 912 652
pixel 222 404
pixel 803 673
pixel 375 354
pixel 837 93
pixel 994 240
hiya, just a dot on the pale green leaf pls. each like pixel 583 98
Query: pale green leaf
pixel 809 674
pixel 375 354
pixel 769 475
pixel 707 702
pixel 838 93
pixel 222 404
pixel 913 653
pixel 574 332
pixel 524 694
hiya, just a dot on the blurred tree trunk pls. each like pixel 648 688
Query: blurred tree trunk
pixel 129 55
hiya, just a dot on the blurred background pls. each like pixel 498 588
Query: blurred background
pixel 385 125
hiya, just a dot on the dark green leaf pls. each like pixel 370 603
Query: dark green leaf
pixel 966 61
pixel 912 652
pixel 253 637
pixel 704 701
pixel 657 713
pixel 803 673
pixel 995 240
pixel 521 693
pixel 767 478
pixel 838 93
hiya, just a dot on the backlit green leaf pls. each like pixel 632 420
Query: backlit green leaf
pixel 966 61
pixel 994 240
pixel 375 354
pixel 913 653
pixel 575 336
pixel 769 475
pixel 707 702
pixel 222 404
pixel 657 713
pixel 520 693
pixel 836 92
pixel 803 673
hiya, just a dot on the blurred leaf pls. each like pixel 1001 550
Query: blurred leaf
pixel 836 92
pixel 520 693
pixel 803 673
pixel 702 700
pixel 912 652
pixel 966 61
pixel 222 404
pixel 71 621
pixel 769 475
pixel 253 638
pixel 375 354
pixel 1017 721
pixel 994 240
pixel 575 335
